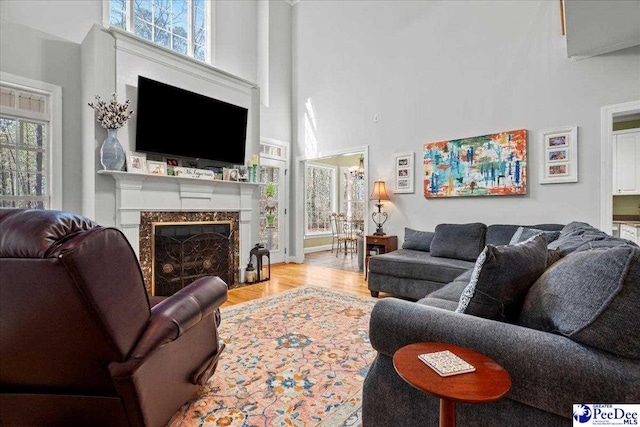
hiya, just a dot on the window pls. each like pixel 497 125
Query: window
pixel 27 160
pixel 320 196
pixel 353 195
pixel 180 25
pixel 271 242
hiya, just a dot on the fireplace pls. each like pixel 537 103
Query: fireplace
pixel 185 251
pixel 177 248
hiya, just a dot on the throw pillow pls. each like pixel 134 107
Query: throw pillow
pixel 501 278
pixel 458 241
pixel 525 233
pixel 591 297
pixel 417 240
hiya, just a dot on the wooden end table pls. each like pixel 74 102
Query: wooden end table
pixel 487 383
pixel 384 244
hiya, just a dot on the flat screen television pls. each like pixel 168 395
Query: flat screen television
pixel 176 122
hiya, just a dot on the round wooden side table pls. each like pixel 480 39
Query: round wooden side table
pixel 487 383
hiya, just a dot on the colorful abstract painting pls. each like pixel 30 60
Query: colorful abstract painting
pixel 488 165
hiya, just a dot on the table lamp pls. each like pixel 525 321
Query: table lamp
pixel 379 193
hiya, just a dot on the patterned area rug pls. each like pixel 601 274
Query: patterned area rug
pixel 297 358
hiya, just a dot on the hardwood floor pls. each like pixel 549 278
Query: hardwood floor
pixel 290 276
pixel 336 259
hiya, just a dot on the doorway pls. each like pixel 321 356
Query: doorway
pixel 273 208
pixel 608 116
pixel 345 172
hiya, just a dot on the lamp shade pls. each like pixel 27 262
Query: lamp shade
pixel 379 191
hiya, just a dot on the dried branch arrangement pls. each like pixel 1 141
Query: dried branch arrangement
pixel 112 115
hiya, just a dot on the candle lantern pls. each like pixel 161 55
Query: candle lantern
pixel 262 258
pixel 250 274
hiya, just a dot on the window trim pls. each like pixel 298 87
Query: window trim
pixel 54 138
pixel 345 171
pixel 334 197
pixel 209 13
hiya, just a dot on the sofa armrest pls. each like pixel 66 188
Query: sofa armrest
pixel 548 371
pixel 172 317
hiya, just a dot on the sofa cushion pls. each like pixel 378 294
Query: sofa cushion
pixel 591 297
pixel 553 256
pixel 410 264
pixel 576 234
pixel 458 241
pixel 525 233
pixel 501 234
pixel 501 278
pixel 448 296
pixel 417 240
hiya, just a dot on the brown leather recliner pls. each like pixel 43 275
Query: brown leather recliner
pixel 80 343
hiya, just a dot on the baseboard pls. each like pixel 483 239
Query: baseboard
pixel 317 249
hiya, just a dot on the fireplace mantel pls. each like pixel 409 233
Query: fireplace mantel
pixel 141 192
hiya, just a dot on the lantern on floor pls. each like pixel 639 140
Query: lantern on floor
pixel 250 274
pixel 262 258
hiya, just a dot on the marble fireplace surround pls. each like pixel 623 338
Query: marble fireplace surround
pixel 141 199
pixel 147 219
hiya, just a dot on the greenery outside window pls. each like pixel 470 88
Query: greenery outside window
pixel 179 25
pixel 353 195
pixel 30 166
pixel 320 198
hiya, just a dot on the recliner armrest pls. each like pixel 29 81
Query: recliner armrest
pixel 174 316
pixel 186 307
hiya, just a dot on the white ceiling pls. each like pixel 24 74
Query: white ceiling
pixel 598 27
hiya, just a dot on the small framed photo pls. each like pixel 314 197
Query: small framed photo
pixel 243 173
pixel 404 172
pixel 229 174
pixel 559 148
pixel 156 168
pixel 136 162
pixel 172 163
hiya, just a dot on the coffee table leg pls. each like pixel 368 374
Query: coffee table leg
pixel 447 413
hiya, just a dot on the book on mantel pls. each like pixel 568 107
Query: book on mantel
pixel 446 363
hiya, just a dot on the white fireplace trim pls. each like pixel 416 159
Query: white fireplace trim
pixel 139 192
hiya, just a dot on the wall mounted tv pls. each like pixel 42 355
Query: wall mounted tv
pixel 176 122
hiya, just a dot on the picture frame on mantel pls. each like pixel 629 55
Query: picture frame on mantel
pixel 156 168
pixel 136 162
pixel 559 149
pixel 405 169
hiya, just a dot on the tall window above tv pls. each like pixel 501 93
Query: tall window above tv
pixel 175 122
pixel 180 25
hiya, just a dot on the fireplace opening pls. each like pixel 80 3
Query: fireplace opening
pixel 183 252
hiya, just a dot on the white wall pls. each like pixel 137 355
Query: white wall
pixel 236 45
pixel 275 120
pixel 68 19
pixel 448 69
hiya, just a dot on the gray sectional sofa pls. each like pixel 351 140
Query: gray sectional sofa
pixel 430 260
pixel 566 327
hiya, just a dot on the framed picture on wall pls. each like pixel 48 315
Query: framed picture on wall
pixel 559 148
pixel 404 172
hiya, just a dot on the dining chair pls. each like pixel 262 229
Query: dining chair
pixel 334 232
pixel 346 235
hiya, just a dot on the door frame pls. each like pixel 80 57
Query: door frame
pixel 299 171
pixel 607 114
pixel 283 218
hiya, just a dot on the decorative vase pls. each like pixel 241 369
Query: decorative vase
pixel 111 152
